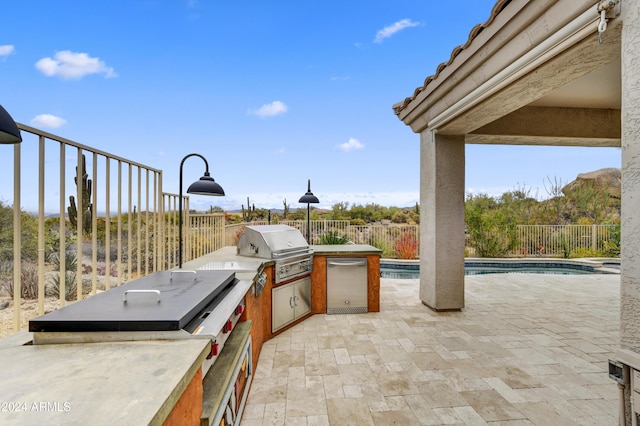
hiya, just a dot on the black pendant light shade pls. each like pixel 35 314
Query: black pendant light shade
pixel 9 132
pixel 206 185
pixel 309 197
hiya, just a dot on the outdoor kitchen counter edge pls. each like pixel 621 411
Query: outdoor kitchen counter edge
pixel 96 383
pixel 229 254
pixel 353 249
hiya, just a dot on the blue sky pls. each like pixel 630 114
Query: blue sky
pixel 271 93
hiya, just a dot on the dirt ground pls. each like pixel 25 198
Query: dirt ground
pixel 28 310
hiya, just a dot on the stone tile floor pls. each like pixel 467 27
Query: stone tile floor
pixel 526 350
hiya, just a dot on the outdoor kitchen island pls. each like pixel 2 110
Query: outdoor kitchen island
pixel 258 301
pixel 158 381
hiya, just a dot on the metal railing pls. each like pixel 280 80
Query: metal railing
pixel 394 240
pixel 403 241
pixel 566 240
pixel 97 224
pixel 318 227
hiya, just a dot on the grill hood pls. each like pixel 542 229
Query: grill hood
pixel 272 242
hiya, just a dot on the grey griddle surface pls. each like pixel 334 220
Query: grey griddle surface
pixel 183 294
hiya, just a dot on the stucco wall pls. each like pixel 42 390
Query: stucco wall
pixel 630 280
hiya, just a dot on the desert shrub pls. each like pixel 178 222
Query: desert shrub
pixel 385 246
pixel 406 246
pixel 29 234
pixel 611 246
pixel 333 237
pixel 562 240
pixel 28 280
pixel 585 252
pixel 70 264
pixel 493 233
pixel 237 234
pixel 70 287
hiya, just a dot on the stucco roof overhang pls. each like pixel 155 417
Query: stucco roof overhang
pixel 534 74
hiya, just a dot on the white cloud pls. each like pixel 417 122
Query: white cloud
pixel 71 65
pixel 270 110
pixel 6 50
pixel 390 30
pixel 48 121
pixel 350 145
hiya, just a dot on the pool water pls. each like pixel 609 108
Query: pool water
pixel 413 271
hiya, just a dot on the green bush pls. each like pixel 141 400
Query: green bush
pixel 493 233
pixel 386 247
pixel 579 252
pixel 333 238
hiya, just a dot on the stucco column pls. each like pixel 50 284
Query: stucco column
pixel 630 123
pixel 630 274
pixel 630 278
pixel 441 221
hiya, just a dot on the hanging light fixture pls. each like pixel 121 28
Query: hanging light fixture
pixel 9 132
pixel 206 185
pixel 309 198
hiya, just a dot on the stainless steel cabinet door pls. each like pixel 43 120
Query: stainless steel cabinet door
pixel 289 302
pixel 302 297
pixel 281 306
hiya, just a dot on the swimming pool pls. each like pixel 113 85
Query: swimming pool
pixel 411 269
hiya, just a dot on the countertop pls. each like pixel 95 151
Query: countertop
pixel 355 249
pixel 96 383
pixel 247 266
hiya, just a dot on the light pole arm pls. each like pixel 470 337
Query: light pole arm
pixel 180 202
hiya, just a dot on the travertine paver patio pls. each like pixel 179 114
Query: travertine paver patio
pixel 527 349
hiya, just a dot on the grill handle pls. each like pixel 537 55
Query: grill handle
pixel 183 272
pixel 156 292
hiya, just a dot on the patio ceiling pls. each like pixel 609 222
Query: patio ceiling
pixel 533 74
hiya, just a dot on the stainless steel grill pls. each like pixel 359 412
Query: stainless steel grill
pixel 282 243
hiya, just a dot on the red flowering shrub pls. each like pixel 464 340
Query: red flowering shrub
pixel 406 246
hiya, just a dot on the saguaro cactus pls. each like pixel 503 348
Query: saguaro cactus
pixel 85 210
pixel 249 213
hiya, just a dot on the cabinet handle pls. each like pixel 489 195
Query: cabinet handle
pixel 295 300
pixel 291 302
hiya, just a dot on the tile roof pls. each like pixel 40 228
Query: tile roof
pixel 497 8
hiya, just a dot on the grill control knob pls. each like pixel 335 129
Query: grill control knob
pixel 214 350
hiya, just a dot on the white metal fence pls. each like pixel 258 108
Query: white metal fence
pixel 403 241
pixel 393 240
pixel 567 240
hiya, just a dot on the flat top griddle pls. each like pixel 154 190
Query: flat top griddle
pixel 137 305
